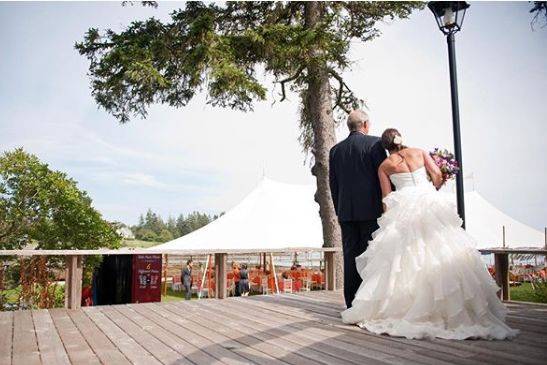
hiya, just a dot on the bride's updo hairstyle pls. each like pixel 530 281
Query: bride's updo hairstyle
pixel 392 140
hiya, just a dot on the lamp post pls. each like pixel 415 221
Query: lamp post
pixel 449 16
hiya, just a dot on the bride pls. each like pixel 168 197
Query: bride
pixel 422 277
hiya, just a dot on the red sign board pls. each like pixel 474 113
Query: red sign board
pixel 146 286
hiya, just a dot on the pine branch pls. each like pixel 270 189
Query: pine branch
pixel 289 79
pixel 340 94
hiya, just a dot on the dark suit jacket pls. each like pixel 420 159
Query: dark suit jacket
pixel 354 183
pixel 187 277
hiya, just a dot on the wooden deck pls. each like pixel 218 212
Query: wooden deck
pixel 286 329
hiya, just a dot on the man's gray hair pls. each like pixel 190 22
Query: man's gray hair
pixel 356 119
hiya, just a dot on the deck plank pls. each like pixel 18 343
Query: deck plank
pixel 157 348
pixel 246 335
pixel 369 347
pixel 186 343
pixel 6 329
pixel 225 354
pixel 247 354
pixel 134 352
pixel 106 351
pixel 25 346
pixel 228 336
pixel 505 355
pixel 74 343
pixel 324 350
pixel 296 329
pixel 50 345
pixel 269 334
pixel 178 348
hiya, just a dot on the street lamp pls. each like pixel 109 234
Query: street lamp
pixel 449 16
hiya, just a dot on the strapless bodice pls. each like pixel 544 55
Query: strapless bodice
pixel 405 179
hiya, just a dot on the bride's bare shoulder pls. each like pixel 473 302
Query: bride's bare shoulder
pixel 413 150
pixel 385 164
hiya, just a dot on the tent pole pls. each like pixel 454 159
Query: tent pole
pixel 203 278
pixel 274 274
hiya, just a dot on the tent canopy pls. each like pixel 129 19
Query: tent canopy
pixel 277 215
pixel 274 215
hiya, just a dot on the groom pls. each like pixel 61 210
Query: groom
pixel 355 189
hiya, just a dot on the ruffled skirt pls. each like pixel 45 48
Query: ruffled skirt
pixel 422 276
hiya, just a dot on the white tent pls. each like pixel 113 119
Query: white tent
pixel 485 222
pixel 274 215
pixel 278 215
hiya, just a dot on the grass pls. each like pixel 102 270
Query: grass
pixel 174 296
pixel 524 293
pixel 138 243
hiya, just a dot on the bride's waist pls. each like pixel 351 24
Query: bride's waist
pixel 425 186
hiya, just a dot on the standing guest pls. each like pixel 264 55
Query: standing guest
pixel 243 281
pixel 187 279
pixel 235 271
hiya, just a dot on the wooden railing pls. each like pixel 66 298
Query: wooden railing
pixel 75 258
pixel 501 265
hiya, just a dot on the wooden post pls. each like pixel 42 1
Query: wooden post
pixel 220 275
pixel 501 265
pixel 73 281
pixel 165 274
pixel 330 271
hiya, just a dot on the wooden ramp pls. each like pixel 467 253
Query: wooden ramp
pixel 287 329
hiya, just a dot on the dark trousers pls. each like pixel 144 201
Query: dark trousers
pixel 355 237
pixel 188 289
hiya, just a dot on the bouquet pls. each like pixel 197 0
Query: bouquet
pixel 446 162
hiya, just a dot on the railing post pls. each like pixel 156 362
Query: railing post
pixel 73 281
pixel 220 275
pixel 166 263
pixel 330 272
pixel 501 265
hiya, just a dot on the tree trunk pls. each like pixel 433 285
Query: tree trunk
pixel 319 105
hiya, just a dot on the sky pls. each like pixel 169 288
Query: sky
pixel 207 159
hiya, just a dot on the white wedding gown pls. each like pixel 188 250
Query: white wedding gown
pixel 422 276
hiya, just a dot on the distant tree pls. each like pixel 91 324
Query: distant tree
pixel 196 220
pixel 151 226
pixel 172 226
pixel 165 235
pixel 221 48
pixel 145 234
pixel 153 222
pixel 42 206
pixel 539 9
pixel 181 226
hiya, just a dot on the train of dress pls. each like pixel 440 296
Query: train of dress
pixel 422 276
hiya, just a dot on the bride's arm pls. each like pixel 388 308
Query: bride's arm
pixel 433 170
pixel 385 184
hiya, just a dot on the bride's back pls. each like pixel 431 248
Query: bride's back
pixel 405 160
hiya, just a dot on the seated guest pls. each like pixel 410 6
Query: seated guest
pixel 235 271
